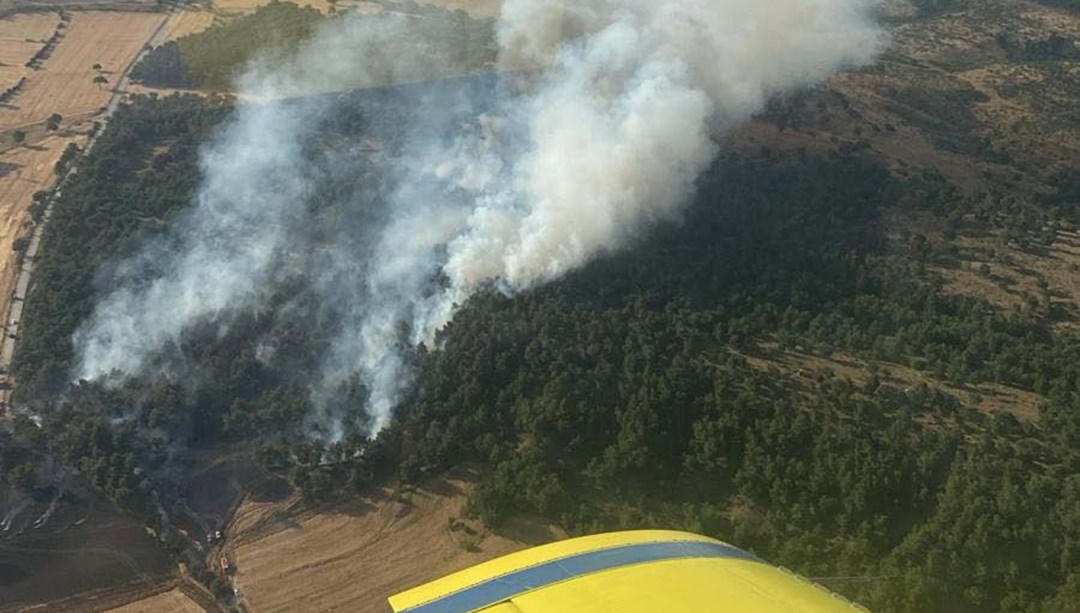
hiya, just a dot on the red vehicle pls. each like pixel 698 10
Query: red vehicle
pixel 225 566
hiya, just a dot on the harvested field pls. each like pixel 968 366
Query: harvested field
pixel 350 559
pixel 173 601
pixel 476 8
pixel 247 6
pixel 65 85
pixel 21 37
pixel 23 171
pixel 191 21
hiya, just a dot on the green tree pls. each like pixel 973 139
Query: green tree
pixel 22 477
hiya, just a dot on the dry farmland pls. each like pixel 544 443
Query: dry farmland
pixel 23 171
pixel 191 21
pixel 351 559
pixel 21 36
pixel 173 601
pixel 65 84
pixel 477 8
pixel 247 6
pixel 62 84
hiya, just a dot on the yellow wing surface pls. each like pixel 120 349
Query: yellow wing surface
pixel 624 572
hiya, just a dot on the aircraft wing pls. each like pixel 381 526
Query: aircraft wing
pixel 624 572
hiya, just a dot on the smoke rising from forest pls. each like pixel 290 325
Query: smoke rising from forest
pixel 617 111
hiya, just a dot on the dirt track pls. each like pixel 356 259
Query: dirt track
pixel 351 559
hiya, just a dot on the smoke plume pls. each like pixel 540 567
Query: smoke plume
pixel 615 109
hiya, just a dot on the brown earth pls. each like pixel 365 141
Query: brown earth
pixel 351 558
pixel 173 601
pixel 1044 281
pixel 65 85
pixel 954 94
pixel 988 398
pixel 18 7
pixel 477 8
pixel 23 171
pixel 248 6
pixel 191 21
pixel 21 37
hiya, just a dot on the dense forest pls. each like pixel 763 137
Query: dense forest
pixel 643 390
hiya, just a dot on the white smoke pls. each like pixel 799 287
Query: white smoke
pixel 620 112
pixel 250 207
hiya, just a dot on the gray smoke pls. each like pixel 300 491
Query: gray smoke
pixel 617 112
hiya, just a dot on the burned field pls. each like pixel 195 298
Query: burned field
pixel 86 548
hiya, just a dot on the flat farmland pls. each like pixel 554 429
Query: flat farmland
pixel 21 36
pixel 477 8
pixel 191 21
pixel 65 84
pixel 351 559
pixel 173 601
pixel 248 6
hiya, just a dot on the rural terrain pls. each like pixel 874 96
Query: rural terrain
pixel 60 72
pixel 857 356
pixel 289 560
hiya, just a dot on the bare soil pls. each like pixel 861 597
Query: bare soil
pixel 172 601
pixel 21 36
pixel 65 84
pixel 477 8
pixel 352 558
pixel 988 398
pixel 191 21
pixel 23 171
